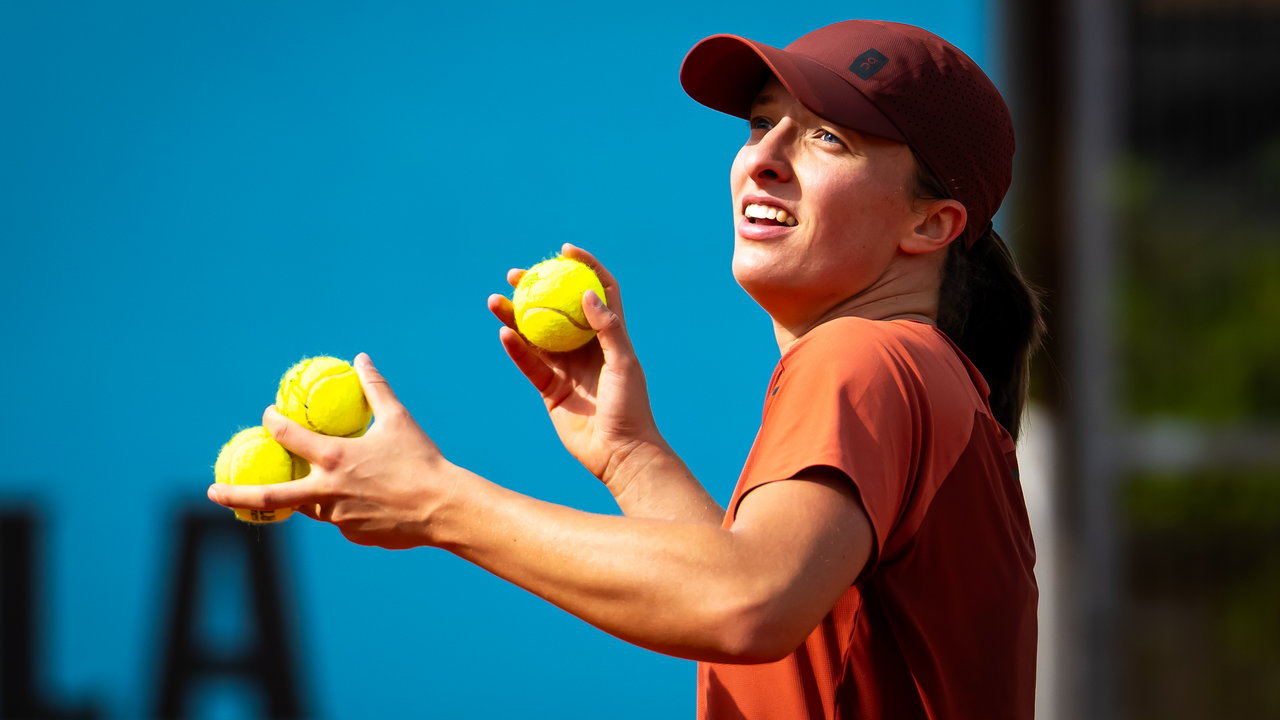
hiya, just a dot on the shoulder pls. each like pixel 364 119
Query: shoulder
pixel 851 349
pixel 885 368
pixel 846 332
pixel 862 338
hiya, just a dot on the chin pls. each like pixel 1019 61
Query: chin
pixel 762 281
pixel 754 264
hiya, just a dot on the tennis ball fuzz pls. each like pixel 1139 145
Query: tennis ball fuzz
pixel 253 457
pixel 324 394
pixel 548 304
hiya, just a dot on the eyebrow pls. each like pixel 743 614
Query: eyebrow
pixel 763 99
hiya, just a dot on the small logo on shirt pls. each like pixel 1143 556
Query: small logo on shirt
pixel 868 63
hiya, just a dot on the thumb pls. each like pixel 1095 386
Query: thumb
pixel 382 400
pixel 608 325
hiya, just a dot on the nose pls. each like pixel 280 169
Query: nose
pixel 769 158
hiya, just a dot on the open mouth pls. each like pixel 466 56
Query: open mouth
pixel 758 214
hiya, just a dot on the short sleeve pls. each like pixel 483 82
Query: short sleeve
pixel 842 398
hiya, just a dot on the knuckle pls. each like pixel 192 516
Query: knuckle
pixel 624 363
pixel 270 496
pixel 282 432
pixel 398 416
pixel 328 457
pixel 279 431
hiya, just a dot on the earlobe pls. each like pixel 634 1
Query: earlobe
pixel 940 221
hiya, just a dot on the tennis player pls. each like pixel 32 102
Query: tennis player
pixel 875 559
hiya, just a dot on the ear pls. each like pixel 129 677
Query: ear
pixel 939 222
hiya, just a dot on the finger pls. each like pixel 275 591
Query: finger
pixel 514 275
pixel 612 333
pixel 529 361
pixel 501 307
pixel 612 292
pixel 312 446
pixel 265 497
pixel 377 390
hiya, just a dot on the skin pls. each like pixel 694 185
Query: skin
pixel 864 246
pixel 666 575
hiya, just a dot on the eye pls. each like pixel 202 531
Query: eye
pixel 829 137
pixel 760 122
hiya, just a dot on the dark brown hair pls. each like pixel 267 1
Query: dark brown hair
pixel 990 311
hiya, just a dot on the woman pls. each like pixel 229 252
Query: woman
pixel 875 560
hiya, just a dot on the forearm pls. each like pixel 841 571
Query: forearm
pixel 674 587
pixel 649 480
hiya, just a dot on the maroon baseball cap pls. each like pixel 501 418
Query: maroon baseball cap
pixel 886 79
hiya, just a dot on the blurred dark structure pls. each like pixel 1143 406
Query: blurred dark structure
pixel 23 692
pixel 1149 170
pixel 264 660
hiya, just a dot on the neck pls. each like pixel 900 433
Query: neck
pixel 912 295
pixel 899 309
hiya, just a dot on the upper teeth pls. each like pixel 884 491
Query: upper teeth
pixel 766 212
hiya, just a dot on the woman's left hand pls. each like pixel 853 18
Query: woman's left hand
pixel 379 489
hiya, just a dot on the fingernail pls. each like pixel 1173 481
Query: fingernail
pixel 213 493
pixel 363 360
pixel 595 300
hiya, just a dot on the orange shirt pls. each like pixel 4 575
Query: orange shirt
pixel 941 623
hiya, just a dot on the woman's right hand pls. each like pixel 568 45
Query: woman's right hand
pixel 596 396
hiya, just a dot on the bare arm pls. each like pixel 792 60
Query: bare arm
pixel 748 594
pixel 690 589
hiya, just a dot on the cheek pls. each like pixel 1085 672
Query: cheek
pixel 865 212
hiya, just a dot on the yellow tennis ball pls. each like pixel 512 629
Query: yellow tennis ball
pixel 548 304
pixel 324 394
pixel 253 457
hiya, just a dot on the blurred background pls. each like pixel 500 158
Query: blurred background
pixel 194 196
pixel 1148 167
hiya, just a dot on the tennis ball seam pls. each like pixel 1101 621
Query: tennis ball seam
pixel 572 320
pixel 556 285
pixel 305 383
pixel 332 373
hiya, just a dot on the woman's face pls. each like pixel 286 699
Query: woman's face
pixel 820 210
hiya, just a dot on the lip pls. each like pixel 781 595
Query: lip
pixel 750 231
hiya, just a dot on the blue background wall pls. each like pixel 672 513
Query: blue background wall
pixel 194 196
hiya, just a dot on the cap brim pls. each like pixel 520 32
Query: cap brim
pixel 726 72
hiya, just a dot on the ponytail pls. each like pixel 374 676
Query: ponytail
pixel 994 316
pixel 990 311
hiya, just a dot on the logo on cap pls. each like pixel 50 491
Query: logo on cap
pixel 868 63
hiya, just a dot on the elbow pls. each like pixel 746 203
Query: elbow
pixel 751 633
pixel 752 655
